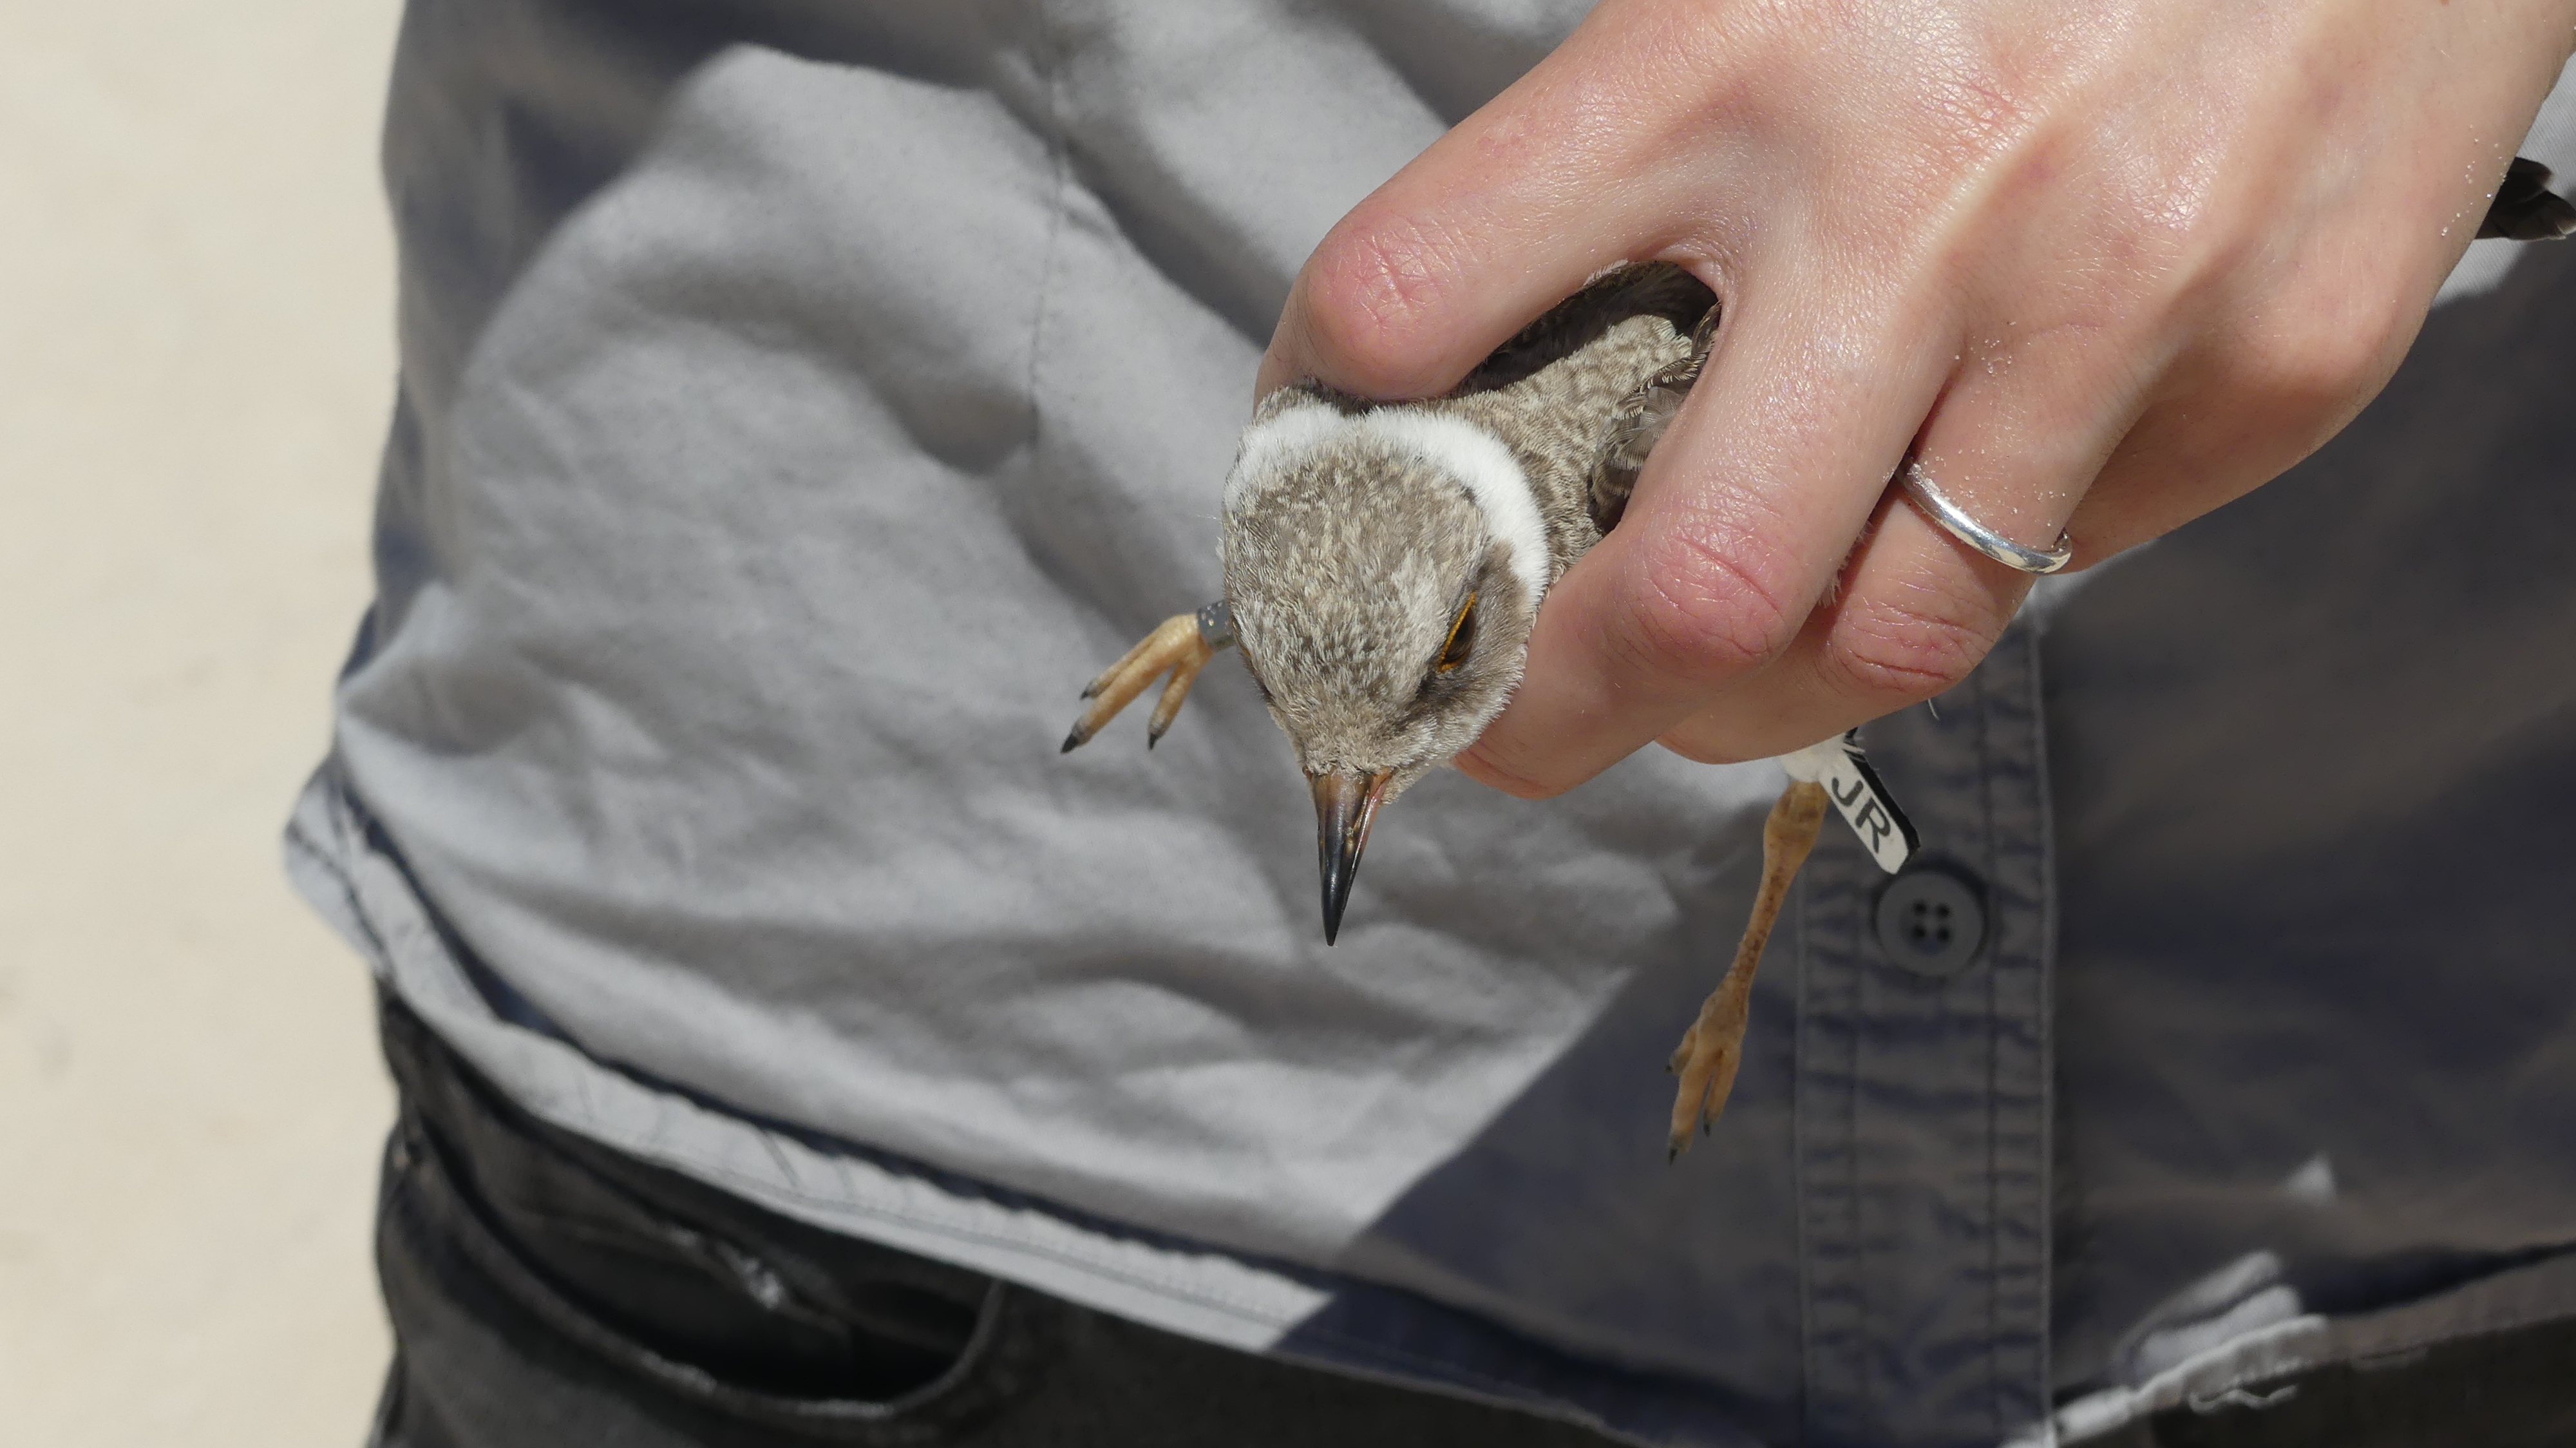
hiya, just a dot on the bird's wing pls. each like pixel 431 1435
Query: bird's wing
pixel 1639 424
pixel 1654 289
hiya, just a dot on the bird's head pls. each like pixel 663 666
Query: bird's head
pixel 1384 566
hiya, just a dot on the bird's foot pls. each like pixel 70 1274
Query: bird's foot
pixel 1713 1047
pixel 1182 645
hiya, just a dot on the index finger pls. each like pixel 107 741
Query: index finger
pixel 1572 170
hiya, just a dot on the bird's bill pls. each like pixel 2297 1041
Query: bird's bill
pixel 1345 803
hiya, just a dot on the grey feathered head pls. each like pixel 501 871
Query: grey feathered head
pixel 1384 567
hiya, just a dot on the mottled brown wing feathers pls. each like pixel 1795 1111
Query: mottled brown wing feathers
pixel 1639 423
pixel 1652 289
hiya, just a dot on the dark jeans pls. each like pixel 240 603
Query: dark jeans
pixel 547 1292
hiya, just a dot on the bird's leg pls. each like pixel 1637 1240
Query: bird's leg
pixel 1638 423
pixel 1182 644
pixel 1713 1047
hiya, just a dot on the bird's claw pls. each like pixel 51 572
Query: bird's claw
pixel 1712 1048
pixel 1181 645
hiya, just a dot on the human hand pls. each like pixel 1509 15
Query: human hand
pixel 2101 265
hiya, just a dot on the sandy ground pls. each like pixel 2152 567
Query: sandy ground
pixel 195 370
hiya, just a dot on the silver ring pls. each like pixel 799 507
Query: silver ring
pixel 1918 486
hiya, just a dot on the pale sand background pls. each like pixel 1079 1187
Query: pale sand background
pixel 195 370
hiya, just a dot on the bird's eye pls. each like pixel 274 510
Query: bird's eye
pixel 1462 637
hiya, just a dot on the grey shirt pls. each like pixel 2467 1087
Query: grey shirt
pixel 800 402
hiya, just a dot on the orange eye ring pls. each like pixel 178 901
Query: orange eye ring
pixel 1462 637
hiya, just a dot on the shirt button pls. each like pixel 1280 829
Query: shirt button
pixel 1931 921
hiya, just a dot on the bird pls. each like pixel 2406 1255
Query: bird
pixel 1385 563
